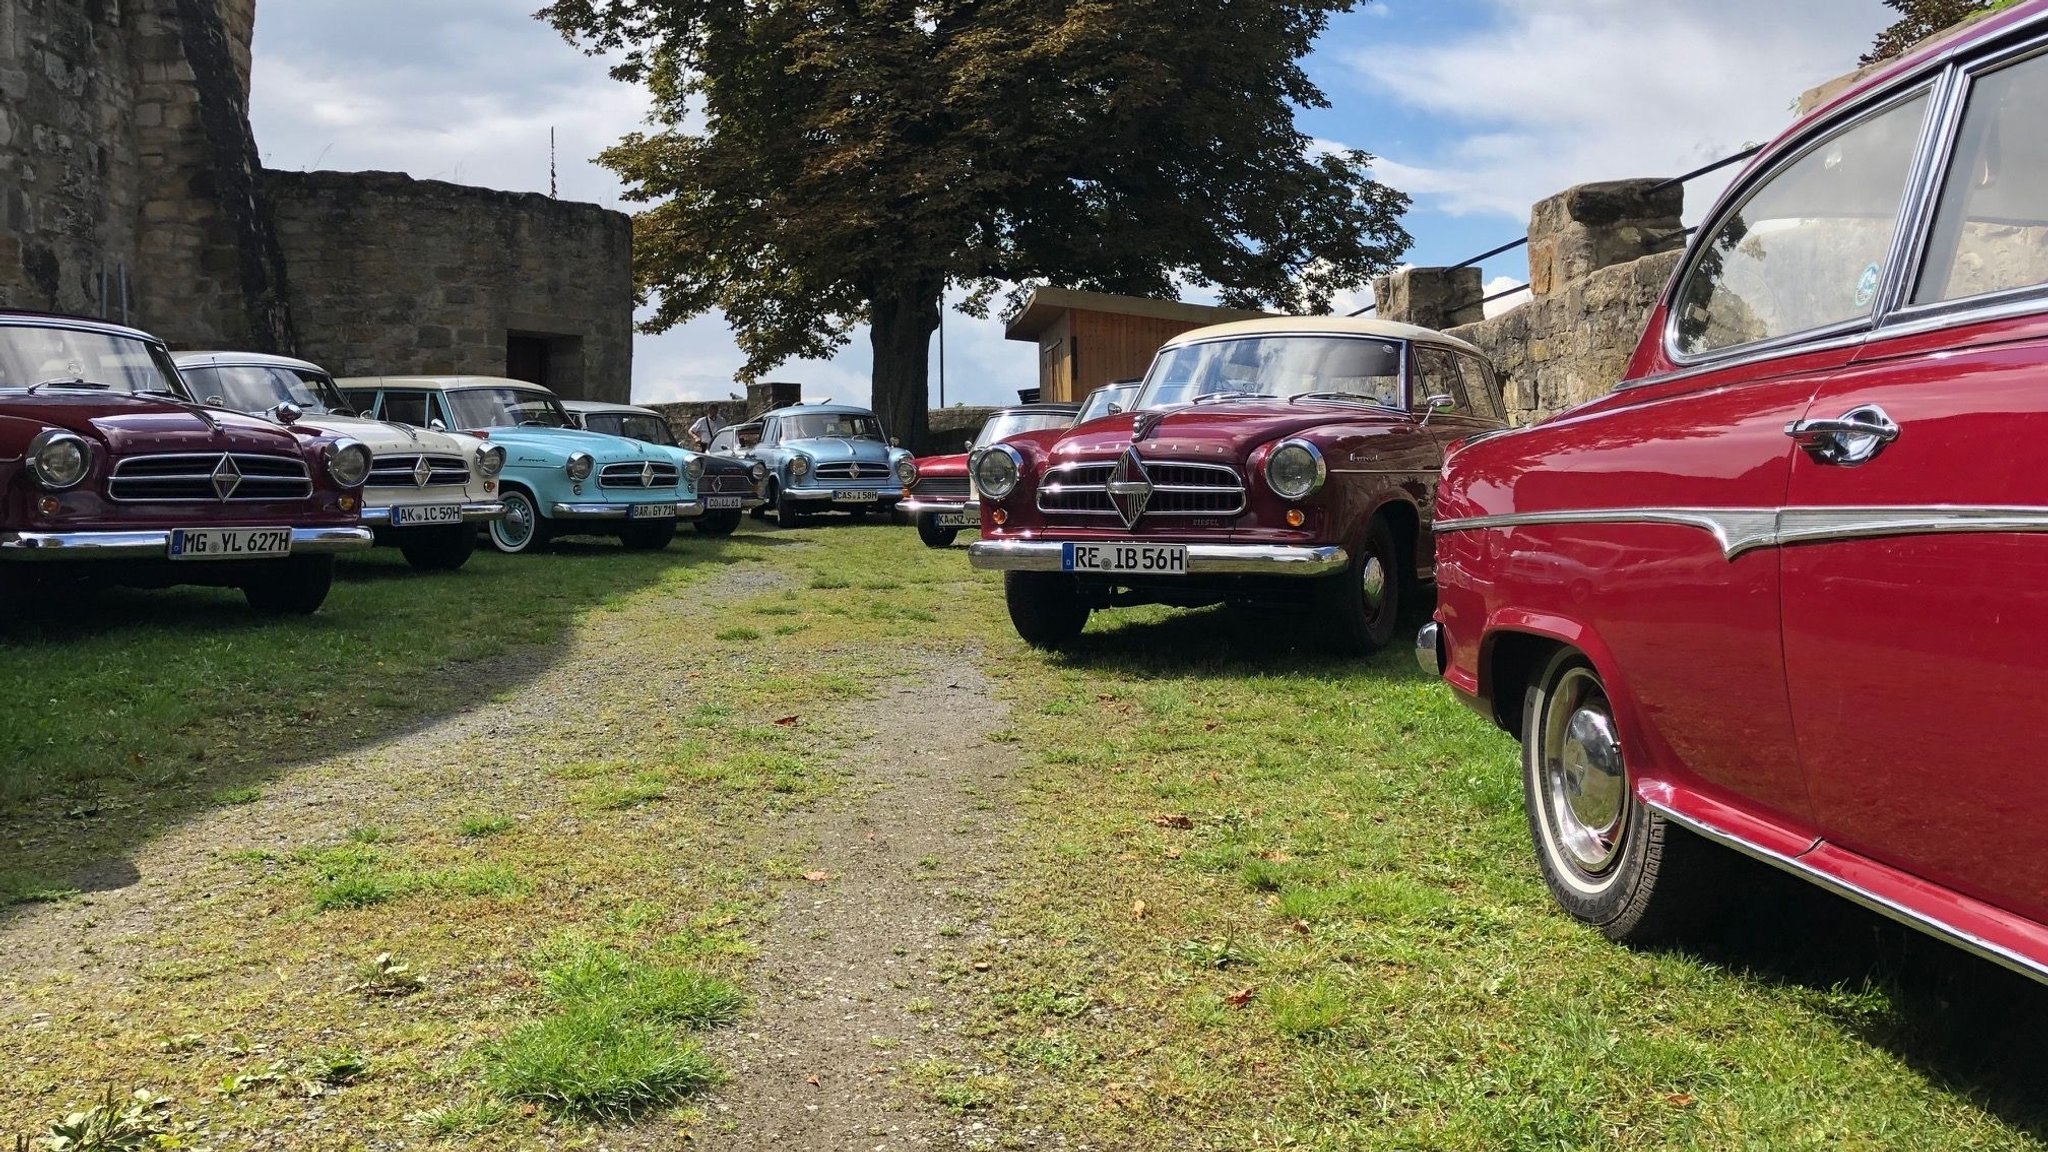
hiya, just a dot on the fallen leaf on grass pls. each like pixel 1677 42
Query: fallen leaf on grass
pixel 1137 909
pixel 1680 1099
pixel 1173 853
pixel 1211 726
pixel 786 721
pixel 1241 997
pixel 817 877
pixel 1275 856
pixel 1172 820
pixel 1300 926
pixel 812 1080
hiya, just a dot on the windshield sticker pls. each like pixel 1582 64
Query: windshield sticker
pixel 1866 287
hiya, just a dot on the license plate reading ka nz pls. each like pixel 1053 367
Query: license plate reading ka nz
pixel 1141 559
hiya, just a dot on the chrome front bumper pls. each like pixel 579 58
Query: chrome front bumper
pixel 65 546
pixel 685 510
pixel 1203 559
pixel 915 506
pixel 1429 649
pixel 475 513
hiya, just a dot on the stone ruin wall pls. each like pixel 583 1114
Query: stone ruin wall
pixel 127 160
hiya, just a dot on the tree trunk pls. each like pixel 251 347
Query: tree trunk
pixel 903 316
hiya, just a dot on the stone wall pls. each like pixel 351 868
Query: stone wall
pixel 391 275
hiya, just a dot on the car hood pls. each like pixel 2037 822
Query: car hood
pixel 953 465
pixel 382 438
pixel 1230 431
pixel 554 445
pixel 834 449
pixel 715 464
pixel 132 424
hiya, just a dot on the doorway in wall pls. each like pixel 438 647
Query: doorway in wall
pixel 548 359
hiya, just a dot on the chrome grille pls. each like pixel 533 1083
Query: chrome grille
pixel 402 471
pixel 639 474
pixel 727 484
pixel 1178 489
pixel 854 471
pixel 201 476
pixel 941 488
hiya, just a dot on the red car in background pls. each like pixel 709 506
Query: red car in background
pixel 109 472
pixel 1786 589
pixel 942 501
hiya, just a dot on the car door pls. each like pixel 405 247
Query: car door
pixel 1915 564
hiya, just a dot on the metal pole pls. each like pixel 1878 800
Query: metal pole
pixel 942 352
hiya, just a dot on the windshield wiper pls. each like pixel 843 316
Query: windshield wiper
pixel 1231 397
pixel 69 382
pixel 1340 398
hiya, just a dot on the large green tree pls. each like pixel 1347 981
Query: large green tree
pixel 818 164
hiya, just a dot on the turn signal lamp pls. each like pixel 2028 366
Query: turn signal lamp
pixel 47 505
pixel 1296 517
pixel 348 503
pixel 1000 517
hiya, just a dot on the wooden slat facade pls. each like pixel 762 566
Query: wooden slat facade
pixel 1088 339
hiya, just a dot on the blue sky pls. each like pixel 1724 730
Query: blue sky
pixel 1476 107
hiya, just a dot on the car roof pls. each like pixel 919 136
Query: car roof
pixel 439 383
pixel 243 359
pixel 1323 326
pixel 828 409
pixel 608 406
pixel 24 317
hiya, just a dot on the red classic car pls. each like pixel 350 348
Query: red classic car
pixel 1287 462
pixel 941 503
pixel 109 472
pixel 1784 589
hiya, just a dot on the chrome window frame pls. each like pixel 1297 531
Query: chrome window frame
pixel 1402 369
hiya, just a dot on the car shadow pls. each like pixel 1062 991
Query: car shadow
pixel 83 834
pixel 1226 642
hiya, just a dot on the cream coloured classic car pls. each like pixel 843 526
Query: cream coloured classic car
pixel 428 490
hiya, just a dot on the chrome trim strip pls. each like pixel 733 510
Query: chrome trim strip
pixel 1740 530
pixel 1203 559
pixel 1978 946
pixel 156 545
pixel 1429 649
pixel 472 513
pixel 915 505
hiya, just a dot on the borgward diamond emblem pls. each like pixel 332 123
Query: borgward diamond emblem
pixel 422 472
pixel 226 478
pixel 1130 487
pixel 647 475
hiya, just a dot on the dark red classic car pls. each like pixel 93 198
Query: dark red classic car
pixel 1784 589
pixel 1288 463
pixel 109 472
pixel 942 502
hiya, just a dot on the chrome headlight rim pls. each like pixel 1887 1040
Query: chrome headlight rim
pixel 490 461
pixel 694 469
pixel 758 472
pixel 1319 470
pixel 348 463
pixel 799 467
pixel 906 471
pixel 997 485
pixel 579 466
pixel 39 469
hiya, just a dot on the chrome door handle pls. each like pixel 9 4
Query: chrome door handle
pixel 1851 439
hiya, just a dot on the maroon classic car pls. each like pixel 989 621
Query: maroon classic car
pixel 1288 462
pixel 1786 589
pixel 109 472
pixel 942 501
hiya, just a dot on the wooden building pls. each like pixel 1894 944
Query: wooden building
pixel 1088 339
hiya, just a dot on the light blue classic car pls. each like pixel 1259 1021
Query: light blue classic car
pixel 558 479
pixel 823 458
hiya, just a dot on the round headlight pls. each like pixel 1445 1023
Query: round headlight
pixel 694 469
pixel 490 460
pixel 799 467
pixel 996 471
pixel 58 460
pixel 1295 470
pixel 759 471
pixel 580 465
pixel 906 472
pixel 348 463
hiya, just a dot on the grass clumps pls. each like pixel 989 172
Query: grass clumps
pixel 24 888
pixel 615 1045
pixel 478 827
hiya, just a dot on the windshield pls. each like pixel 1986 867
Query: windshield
pixel 249 388
pixel 632 425
pixel 60 357
pixel 1282 367
pixel 1008 424
pixel 831 426
pixel 507 408
pixel 1104 398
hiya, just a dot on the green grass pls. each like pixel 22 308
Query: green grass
pixel 588 1062
pixel 25 888
pixel 477 827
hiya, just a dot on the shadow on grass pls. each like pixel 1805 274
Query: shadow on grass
pixel 125 712
pixel 1226 643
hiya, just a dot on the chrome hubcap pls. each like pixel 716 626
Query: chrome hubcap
pixel 1585 782
pixel 518 522
pixel 1375 584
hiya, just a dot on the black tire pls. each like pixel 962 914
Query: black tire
pixel 928 530
pixel 723 523
pixel 787 514
pixel 1609 860
pixel 438 549
pixel 1046 608
pixel 652 536
pixel 522 528
pixel 294 587
pixel 1362 605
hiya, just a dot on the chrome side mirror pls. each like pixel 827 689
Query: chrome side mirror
pixel 1435 403
pixel 437 426
pixel 287 412
pixel 1114 410
pixel 213 401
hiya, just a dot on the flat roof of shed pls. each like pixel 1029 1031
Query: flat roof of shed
pixel 1046 304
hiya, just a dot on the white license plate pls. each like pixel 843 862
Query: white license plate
pixel 854 496
pixel 959 519
pixel 230 543
pixel 723 503
pixel 651 512
pixel 1143 559
pixel 414 515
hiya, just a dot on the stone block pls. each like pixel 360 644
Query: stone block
pixel 1437 298
pixel 1593 226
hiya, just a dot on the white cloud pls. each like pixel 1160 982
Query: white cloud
pixel 1561 92
pixel 1500 284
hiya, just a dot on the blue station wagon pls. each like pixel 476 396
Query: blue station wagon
pixel 826 458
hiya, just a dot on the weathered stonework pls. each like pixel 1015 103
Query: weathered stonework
pixel 1593 226
pixel 392 275
pixel 1432 297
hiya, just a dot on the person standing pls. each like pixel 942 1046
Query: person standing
pixel 706 427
